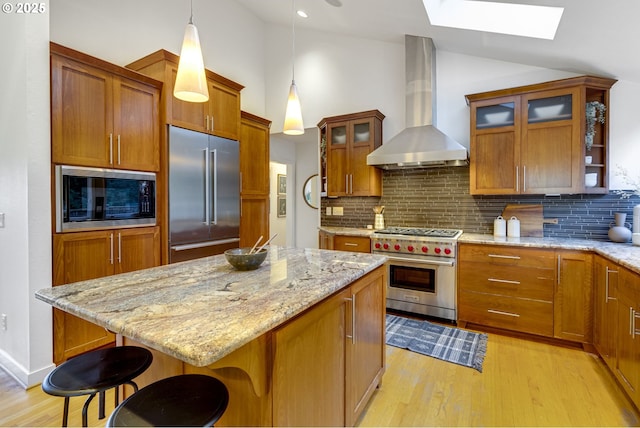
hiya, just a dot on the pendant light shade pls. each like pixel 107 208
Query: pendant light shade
pixel 191 83
pixel 293 115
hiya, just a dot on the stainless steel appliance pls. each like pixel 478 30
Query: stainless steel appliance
pixel 204 194
pixel 97 198
pixel 422 269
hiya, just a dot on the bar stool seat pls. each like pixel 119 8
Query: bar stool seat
pixel 183 400
pixel 94 373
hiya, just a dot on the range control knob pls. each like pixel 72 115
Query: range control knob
pixel 386 246
pixel 378 245
pixel 437 250
pixel 397 247
pixel 447 251
pixel 425 249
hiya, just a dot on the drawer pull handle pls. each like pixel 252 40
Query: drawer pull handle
pixel 349 244
pixel 509 314
pixel 506 281
pixel 499 256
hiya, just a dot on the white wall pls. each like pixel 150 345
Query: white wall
pixel 25 241
pixel 307 163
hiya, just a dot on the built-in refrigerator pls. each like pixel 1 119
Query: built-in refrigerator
pixel 204 194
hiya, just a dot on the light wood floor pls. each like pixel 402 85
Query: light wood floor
pixel 523 383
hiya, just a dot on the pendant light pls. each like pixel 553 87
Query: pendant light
pixel 293 116
pixel 191 83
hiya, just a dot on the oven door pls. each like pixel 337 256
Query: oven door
pixel 423 286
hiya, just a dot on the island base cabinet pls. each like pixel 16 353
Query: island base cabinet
pixel 627 367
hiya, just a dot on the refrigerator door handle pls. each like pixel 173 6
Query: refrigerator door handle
pixel 207 214
pixel 214 186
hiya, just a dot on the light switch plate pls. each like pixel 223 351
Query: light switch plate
pixel 337 211
pixel 328 211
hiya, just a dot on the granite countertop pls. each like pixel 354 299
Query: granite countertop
pixel 626 255
pixel 347 231
pixel 202 310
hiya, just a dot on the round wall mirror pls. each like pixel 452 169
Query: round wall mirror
pixel 310 192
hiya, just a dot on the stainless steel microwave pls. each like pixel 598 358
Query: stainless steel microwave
pixel 90 198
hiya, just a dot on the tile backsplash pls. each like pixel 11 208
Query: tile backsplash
pixel 439 197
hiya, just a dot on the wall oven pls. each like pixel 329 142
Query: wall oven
pixel 94 198
pixel 422 269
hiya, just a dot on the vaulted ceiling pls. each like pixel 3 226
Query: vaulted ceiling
pixel 594 37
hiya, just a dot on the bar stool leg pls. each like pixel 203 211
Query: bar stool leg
pixel 101 405
pixel 65 413
pixel 84 410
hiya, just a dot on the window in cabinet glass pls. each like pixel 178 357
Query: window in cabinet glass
pixel 339 135
pixel 494 116
pixel 550 109
pixel 361 132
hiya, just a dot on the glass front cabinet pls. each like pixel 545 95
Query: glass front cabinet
pixel 536 140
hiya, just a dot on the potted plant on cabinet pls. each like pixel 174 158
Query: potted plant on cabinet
pixel 591 109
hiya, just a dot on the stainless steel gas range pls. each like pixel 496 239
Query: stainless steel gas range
pixel 422 269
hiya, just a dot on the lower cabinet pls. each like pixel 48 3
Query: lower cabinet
pixel 328 361
pixel 627 367
pixel 573 300
pixel 605 307
pixel 325 240
pixel 87 255
pixel 536 291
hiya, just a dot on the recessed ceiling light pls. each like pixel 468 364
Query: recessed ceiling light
pixel 302 14
pixel 505 18
pixel 335 3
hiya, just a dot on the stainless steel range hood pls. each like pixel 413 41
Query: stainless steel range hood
pixel 421 144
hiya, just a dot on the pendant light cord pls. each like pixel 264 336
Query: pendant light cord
pixel 293 39
pixel 191 17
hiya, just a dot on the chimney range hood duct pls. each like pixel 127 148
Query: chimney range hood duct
pixel 421 144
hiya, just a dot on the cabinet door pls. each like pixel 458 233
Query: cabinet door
pixel 224 111
pixel 254 219
pixel 326 240
pixel 137 248
pixel 364 180
pixel 81 114
pixel 254 157
pixel 337 159
pixel 628 346
pixel 77 257
pixel 495 147
pixel 573 313
pixel 366 346
pixel 309 367
pixel 185 114
pixel 551 150
pixel 605 308
pixel 136 126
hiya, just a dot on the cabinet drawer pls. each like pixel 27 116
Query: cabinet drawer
pixel 505 255
pixel 528 316
pixel 358 244
pixel 514 281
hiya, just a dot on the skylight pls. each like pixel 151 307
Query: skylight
pixel 505 18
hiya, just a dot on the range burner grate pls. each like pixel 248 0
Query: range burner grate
pixel 419 231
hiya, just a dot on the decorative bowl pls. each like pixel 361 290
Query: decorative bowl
pixel 501 117
pixel 240 258
pixel 591 179
pixel 548 112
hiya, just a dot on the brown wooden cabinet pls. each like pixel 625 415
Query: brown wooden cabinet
pixel 220 115
pixel 573 300
pixel 80 256
pixel 359 244
pixel 531 139
pixel 254 179
pixel 506 287
pixel 605 308
pixel 102 115
pixel 325 240
pixel 328 361
pixel 349 139
pixel 627 368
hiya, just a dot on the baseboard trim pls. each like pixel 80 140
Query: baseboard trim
pixel 25 378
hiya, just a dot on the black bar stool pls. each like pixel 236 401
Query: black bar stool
pixel 183 400
pixel 94 373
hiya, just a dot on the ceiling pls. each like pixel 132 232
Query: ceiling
pixel 594 37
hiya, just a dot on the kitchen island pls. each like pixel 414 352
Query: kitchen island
pixel 299 341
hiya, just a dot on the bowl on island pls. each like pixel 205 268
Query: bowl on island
pixel 244 259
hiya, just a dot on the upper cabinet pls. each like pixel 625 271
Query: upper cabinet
pixel 533 139
pixel 347 140
pixel 102 115
pixel 219 116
